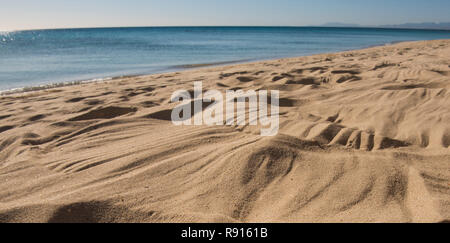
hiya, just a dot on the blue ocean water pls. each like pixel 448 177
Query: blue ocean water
pixel 36 57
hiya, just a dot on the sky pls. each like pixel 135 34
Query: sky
pixel 46 14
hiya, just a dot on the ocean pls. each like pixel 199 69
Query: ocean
pixel 40 57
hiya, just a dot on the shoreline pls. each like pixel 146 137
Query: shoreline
pixel 172 69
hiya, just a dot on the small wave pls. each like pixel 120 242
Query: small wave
pixel 6 33
pixel 52 85
pixel 6 36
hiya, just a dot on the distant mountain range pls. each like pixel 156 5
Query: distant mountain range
pixel 437 26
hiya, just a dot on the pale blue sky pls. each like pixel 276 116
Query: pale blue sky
pixel 32 14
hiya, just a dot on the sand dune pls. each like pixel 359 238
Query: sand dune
pixel 364 137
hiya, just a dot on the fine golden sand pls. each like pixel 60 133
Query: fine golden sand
pixel 364 137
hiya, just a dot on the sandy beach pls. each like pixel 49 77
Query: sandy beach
pixel 364 137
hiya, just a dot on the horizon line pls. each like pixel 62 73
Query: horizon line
pixel 218 26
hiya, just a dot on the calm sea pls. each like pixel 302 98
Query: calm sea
pixel 36 57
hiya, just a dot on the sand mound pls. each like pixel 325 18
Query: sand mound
pixel 364 137
pixel 84 212
pixel 104 113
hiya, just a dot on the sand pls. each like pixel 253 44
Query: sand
pixel 364 137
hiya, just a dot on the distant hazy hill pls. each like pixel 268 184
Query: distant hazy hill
pixel 443 26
